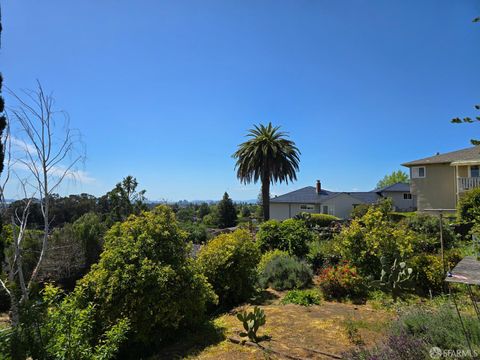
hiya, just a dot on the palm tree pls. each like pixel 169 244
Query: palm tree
pixel 267 156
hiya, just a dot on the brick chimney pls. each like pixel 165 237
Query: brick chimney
pixel 319 187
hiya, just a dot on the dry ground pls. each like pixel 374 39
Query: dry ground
pixel 298 331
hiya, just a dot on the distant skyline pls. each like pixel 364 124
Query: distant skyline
pixel 166 90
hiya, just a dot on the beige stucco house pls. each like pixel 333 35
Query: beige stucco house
pixel 314 199
pixel 439 181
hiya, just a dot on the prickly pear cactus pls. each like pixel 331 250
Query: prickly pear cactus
pixel 396 278
pixel 251 322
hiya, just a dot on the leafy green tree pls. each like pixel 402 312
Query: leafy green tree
pixel 269 157
pixel 203 210
pixel 146 273
pixel 227 214
pixel 393 178
pixel 89 231
pixel 123 200
pixel 246 211
pixel 186 214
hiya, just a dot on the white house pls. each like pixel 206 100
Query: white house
pixel 314 199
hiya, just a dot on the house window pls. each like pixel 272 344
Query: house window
pixel 418 172
pixel 325 209
pixel 307 207
pixel 474 171
pixel 407 196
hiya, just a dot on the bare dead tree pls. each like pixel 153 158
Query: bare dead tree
pixel 51 152
pixel 14 265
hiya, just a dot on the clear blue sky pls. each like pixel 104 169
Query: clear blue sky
pixel 165 90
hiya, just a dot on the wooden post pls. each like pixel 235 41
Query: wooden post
pixel 441 243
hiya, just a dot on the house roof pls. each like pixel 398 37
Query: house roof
pixel 304 195
pixel 468 154
pixel 366 197
pixel 309 195
pixel 398 187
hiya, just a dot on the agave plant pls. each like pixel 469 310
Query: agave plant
pixel 251 322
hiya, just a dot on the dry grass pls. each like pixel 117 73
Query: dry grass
pixel 294 330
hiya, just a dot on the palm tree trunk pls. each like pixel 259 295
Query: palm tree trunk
pixel 266 198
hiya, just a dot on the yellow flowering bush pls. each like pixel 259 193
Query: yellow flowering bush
pixel 372 236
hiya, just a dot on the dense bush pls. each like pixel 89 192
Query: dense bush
pixel 268 257
pixel 371 237
pixel 428 270
pixel 68 330
pixel 359 210
pixel 283 273
pixel 269 235
pixel 427 230
pixel 146 274
pixel 229 262
pixel 315 256
pixel 468 207
pixel 291 235
pixel 342 281
pixel 314 220
pixel 58 326
pixel 302 297
pixel 295 237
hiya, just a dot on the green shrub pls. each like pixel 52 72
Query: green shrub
pixel 342 281
pixel 269 236
pixel 302 297
pixel 229 262
pixel 427 228
pixel 291 235
pixel 68 329
pixel 317 220
pixel 371 237
pixel 315 256
pixel 58 326
pixel 428 273
pixel 145 272
pixel 323 220
pixel 359 211
pixel 283 273
pixel 397 216
pixel 269 256
pixel 468 207
pixel 295 237
pixel 440 327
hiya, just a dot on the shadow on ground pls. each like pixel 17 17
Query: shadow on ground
pixel 191 344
